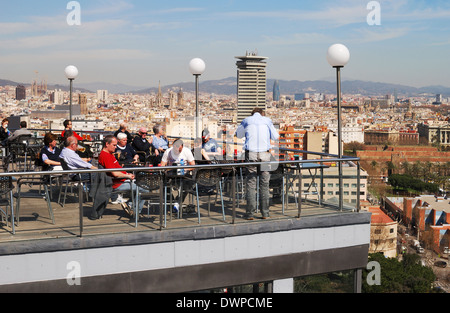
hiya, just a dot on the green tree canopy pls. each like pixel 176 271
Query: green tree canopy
pixel 407 276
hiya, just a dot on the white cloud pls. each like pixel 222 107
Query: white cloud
pixel 380 34
pixel 296 39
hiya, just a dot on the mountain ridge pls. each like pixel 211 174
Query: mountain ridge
pixel 228 86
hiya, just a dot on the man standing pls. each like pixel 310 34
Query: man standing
pixel 258 130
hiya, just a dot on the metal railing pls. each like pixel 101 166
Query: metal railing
pixel 295 165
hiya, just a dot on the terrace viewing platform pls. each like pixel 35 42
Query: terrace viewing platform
pixel 48 250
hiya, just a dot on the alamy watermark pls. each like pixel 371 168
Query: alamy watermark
pixel 374 16
pixel 374 276
pixel 74 16
pixel 73 277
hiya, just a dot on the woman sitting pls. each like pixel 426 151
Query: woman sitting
pixel 50 153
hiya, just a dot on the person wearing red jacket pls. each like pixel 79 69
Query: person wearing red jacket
pixel 68 126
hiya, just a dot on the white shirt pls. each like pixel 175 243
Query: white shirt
pixel 171 156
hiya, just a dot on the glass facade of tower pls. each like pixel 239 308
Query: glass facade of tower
pixel 276 91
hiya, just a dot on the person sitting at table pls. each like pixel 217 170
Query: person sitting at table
pixel 199 153
pixel 4 132
pixel 22 131
pixel 50 153
pixel 124 151
pixel 211 146
pixel 68 126
pixel 109 161
pixel 176 153
pixel 74 161
pixel 141 144
pixel 160 142
pixel 123 129
pixel 173 156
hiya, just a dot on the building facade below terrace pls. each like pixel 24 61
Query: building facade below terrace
pixel 435 133
pixel 428 214
pixel 391 137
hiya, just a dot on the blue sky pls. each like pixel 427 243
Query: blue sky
pixel 142 42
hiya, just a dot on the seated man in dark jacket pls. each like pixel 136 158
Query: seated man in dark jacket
pixel 141 144
pixel 125 152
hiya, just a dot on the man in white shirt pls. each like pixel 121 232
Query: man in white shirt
pixel 258 131
pixel 173 156
pixel 177 153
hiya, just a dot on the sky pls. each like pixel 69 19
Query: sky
pixel 144 42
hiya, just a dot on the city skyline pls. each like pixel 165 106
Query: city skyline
pixel 140 43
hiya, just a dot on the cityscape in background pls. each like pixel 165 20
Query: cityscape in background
pixel 390 132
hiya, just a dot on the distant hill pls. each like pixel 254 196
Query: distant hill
pixel 5 82
pixel 228 86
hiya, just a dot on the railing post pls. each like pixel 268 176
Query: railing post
pixel 358 187
pixel 80 204
pixel 161 201
pixel 299 202
pixel 321 182
pixel 233 192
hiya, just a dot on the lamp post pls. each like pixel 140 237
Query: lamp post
pixel 338 56
pixel 197 67
pixel 71 73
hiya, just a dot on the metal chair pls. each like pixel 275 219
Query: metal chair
pixel 151 182
pixel 76 180
pixel 6 199
pixel 33 181
pixel 18 151
pixel 206 182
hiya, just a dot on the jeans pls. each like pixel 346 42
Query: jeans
pixel 125 186
pixel 251 183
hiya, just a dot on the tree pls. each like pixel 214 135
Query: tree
pixel 406 167
pixel 373 164
pixel 407 276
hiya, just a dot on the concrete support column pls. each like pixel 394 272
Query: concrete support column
pixel 283 286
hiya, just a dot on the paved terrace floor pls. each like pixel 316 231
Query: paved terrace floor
pixel 36 224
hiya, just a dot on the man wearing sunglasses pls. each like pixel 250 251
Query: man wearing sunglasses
pixel 142 144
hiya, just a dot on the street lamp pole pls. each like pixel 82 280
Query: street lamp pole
pixel 71 73
pixel 338 56
pixel 197 67
pixel 196 106
pixel 70 94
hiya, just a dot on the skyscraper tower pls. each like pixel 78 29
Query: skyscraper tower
pixel 276 91
pixel 159 96
pixel 251 84
pixel 21 92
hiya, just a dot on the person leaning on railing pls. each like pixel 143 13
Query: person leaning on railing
pixel 258 130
